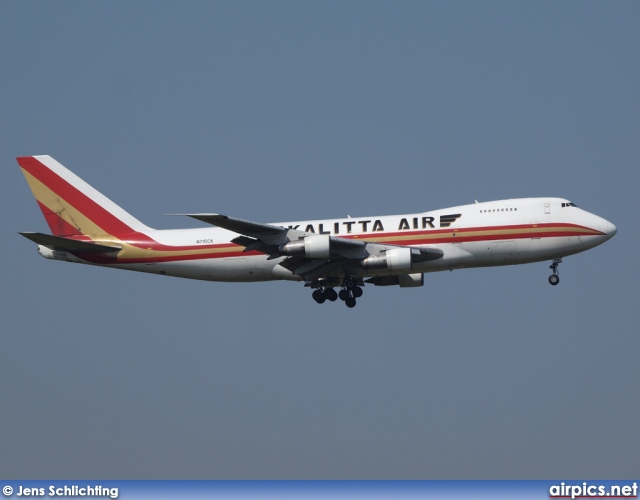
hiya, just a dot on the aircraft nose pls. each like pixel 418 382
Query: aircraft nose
pixel 611 229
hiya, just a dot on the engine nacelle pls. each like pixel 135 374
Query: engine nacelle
pixel 401 280
pixel 410 280
pixel 395 259
pixel 399 259
pixel 317 246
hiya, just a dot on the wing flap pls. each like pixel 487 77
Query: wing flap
pixel 310 269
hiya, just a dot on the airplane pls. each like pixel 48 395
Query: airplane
pixel 343 254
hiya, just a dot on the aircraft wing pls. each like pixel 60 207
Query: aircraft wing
pixel 341 253
pixel 68 245
pixel 257 234
pixel 249 228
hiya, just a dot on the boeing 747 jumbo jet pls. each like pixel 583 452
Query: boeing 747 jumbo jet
pixel 326 255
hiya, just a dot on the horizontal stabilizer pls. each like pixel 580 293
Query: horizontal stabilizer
pixel 68 245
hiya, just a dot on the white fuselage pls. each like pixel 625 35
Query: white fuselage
pixel 485 234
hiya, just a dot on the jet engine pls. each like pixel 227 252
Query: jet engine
pixel 316 246
pixel 402 280
pixel 395 259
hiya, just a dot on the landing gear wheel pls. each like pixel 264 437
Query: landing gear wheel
pixel 319 296
pixel 343 294
pixel 357 292
pixel 554 279
pixel 350 302
pixel 331 294
pixel 350 284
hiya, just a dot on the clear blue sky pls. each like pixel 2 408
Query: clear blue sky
pixel 297 110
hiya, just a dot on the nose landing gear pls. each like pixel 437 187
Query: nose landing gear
pixel 554 279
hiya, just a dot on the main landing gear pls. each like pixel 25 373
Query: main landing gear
pixel 554 279
pixel 348 294
pixel 322 294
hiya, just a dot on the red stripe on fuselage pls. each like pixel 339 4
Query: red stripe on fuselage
pixel 462 235
pixel 512 232
pixel 535 229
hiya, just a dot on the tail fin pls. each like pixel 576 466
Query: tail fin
pixel 70 205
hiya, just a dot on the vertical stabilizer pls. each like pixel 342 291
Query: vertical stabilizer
pixel 72 207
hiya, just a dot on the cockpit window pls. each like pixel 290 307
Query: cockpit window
pixel 569 204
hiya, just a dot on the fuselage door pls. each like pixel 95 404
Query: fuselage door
pixel 547 208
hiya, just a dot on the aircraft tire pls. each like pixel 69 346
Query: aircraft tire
pixel 319 296
pixel 351 302
pixel 357 292
pixel 554 279
pixel 344 295
pixel 331 294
